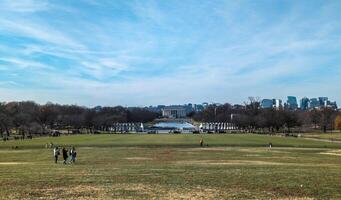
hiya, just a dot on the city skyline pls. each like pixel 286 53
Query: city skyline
pixel 168 52
pixel 275 103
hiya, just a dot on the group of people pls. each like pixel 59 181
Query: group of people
pixel 69 156
pixel 49 145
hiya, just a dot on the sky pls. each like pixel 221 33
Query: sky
pixel 150 52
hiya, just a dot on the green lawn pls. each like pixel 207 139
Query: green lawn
pixel 167 140
pixel 172 167
pixel 328 136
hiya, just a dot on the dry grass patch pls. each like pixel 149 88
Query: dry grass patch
pixel 15 151
pixel 206 149
pixel 14 163
pixel 261 150
pixel 145 191
pixel 138 158
pixel 296 198
pixel 227 162
pixel 245 162
pixel 332 152
pixel 87 192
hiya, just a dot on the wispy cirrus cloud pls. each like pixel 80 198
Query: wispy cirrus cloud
pixel 36 31
pixel 168 52
pixel 23 5
pixel 23 64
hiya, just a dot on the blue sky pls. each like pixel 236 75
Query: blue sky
pixel 135 53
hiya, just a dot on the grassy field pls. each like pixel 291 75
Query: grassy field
pixel 326 136
pixel 172 167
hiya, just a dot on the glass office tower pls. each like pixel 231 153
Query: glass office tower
pixel 292 103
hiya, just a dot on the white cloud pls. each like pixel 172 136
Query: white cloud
pixel 186 53
pixel 35 30
pixel 23 64
pixel 23 5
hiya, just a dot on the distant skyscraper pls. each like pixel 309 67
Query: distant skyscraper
pixel 330 104
pixel 292 103
pixel 323 101
pixel 277 104
pixel 314 103
pixel 304 103
pixel 266 103
pixel 333 105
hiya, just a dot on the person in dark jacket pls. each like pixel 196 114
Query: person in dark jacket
pixel 65 155
pixel 73 155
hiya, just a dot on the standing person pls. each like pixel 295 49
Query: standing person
pixel 74 155
pixel 65 156
pixel 202 142
pixel 70 153
pixel 72 150
pixel 56 154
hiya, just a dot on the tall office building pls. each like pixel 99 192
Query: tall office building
pixel 277 104
pixel 323 101
pixel 333 105
pixel 304 103
pixel 292 103
pixel 271 103
pixel 266 103
pixel 330 104
pixel 314 103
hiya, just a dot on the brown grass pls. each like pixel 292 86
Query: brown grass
pixel 138 158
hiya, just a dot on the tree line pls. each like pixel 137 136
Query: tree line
pixel 253 118
pixel 27 117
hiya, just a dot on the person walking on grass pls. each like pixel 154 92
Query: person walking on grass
pixel 73 155
pixel 270 145
pixel 201 142
pixel 65 156
pixel 56 154
pixel 70 154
